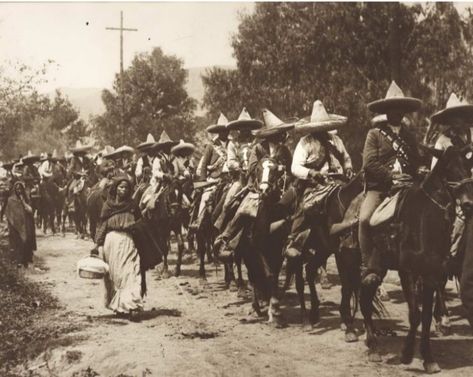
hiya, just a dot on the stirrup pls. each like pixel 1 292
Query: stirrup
pixel 371 280
pixel 292 253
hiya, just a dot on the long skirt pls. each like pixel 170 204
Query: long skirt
pixel 123 282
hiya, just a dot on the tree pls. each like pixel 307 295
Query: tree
pixel 154 98
pixel 345 54
pixel 29 120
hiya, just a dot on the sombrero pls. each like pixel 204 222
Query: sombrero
pixel 108 149
pixel 220 126
pixel 320 120
pixel 455 108
pixel 244 122
pixel 147 144
pixel 164 141
pixel 395 100
pixel 30 158
pixel 8 165
pixel 272 125
pixel 183 148
pixel 381 120
pixel 79 148
pixel 119 152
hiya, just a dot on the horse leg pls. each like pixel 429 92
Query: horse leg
pixel 441 315
pixel 430 365
pixel 180 250
pixel 232 285
pixel 367 294
pixel 201 248
pixel 409 288
pixel 240 282
pixel 311 272
pixel 349 272
pixel 297 268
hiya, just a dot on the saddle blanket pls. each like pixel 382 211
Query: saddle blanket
pixel 385 211
pixel 249 205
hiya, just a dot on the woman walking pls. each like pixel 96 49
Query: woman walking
pixel 125 283
pixel 21 228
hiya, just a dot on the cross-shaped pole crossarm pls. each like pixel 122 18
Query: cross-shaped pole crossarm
pixel 120 29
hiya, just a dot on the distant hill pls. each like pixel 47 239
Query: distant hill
pixel 89 100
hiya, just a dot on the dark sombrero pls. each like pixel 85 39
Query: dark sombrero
pixel 30 158
pixel 147 144
pixel 163 143
pixel 320 120
pixel 454 109
pixel 183 149
pixel 395 100
pixel 244 122
pixel 80 148
pixel 220 126
pixel 119 152
pixel 272 125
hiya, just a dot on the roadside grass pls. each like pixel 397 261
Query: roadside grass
pixel 30 319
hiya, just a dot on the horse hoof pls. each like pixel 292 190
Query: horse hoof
pixel 407 357
pixel 350 336
pixel 241 292
pixel 431 367
pixel 374 357
pixel 232 287
pixel 343 327
pixel 177 272
pixel 314 317
pixel 165 274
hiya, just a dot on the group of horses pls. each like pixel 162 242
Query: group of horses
pixel 417 246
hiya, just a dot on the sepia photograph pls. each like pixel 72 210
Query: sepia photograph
pixel 236 189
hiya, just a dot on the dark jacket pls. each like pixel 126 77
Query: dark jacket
pixel 379 157
pixel 212 162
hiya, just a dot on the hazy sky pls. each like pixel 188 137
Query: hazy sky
pixel 88 55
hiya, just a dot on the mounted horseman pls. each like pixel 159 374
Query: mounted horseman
pixel 76 198
pixel 180 194
pixel 145 160
pixel 31 178
pixel 257 233
pixel 413 235
pixel 322 193
pixel 238 151
pixel 49 192
pixel 211 178
pixel 154 202
pixel 452 125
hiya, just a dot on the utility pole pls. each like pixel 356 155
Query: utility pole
pixel 122 94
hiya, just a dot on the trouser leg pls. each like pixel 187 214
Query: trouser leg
pixel 371 201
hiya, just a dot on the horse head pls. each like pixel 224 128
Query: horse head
pixel 174 197
pixel 268 176
pixel 454 166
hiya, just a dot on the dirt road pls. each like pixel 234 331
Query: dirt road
pixel 195 330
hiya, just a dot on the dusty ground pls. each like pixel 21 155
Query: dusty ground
pixel 195 330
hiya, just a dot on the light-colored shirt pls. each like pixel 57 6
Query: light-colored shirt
pixel 45 169
pixel 238 155
pixel 309 151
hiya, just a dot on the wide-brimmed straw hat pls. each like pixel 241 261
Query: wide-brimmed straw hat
pixel 244 122
pixel 183 148
pixel 381 120
pixel 454 109
pixel 220 126
pixel 272 125
pixel 146 144
pixel 80 148
pixel 320 120
pixel 30 158
pixel 119 152
pixel 107 150
pixel 164 141
pixel 395 100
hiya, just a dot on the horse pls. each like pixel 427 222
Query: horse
pixel 95 200
pixel 263 235
pixel 76 204
pixel 418 248
pixel 324 239
pixel 47 203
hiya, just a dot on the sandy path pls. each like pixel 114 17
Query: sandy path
pixel 163 343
